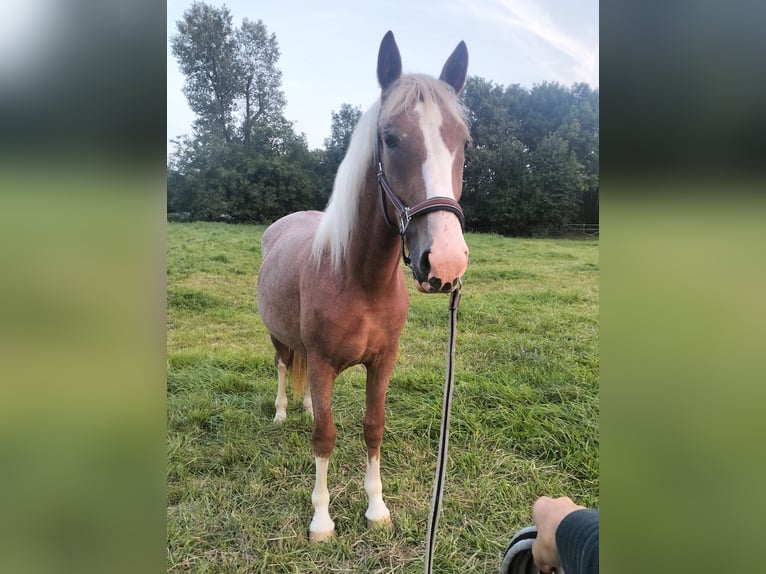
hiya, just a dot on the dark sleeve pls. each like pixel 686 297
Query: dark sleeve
pixel 577 542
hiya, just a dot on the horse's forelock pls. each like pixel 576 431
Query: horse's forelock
pixel 411 89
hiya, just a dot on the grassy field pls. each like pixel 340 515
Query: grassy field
pixel 524 419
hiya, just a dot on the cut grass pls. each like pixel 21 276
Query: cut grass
pixel 524 416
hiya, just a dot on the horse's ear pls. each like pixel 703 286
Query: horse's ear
pixel 456 67
pixel 389 61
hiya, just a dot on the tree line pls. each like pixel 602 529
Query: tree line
pixel 532 166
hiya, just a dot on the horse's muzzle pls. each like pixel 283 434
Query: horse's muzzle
pixel 426 281
pixel 435 285
pixel 438 251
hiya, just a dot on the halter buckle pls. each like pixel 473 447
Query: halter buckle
pixel 404 220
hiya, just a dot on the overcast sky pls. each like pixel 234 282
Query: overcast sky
pixel 329 49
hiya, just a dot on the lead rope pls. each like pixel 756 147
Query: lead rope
pixel 441 460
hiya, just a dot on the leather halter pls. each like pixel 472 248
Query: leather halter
pixel 405 213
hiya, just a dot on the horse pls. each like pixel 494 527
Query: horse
pixel 330 288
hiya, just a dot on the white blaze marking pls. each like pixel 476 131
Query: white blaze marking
pixel 321 524
pixel 449 253
pixel 437 168
pixel 377 512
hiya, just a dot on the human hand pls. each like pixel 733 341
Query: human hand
pixel 547 514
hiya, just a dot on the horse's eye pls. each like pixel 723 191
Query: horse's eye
pixel 391 141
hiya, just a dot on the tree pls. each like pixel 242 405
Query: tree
pixel 495 163
pixel 533 165
pixel 206 50
pixel 555 185
pixel 543 111
pixel 343 124
pixel 263 99
pixel 244 160
pixel 275 176
pixel 232 79
pixel 580 130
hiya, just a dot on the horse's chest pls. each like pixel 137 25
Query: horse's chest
pixel 358 334
pixel 383 328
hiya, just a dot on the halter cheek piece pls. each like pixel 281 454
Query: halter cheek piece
pixel 405 213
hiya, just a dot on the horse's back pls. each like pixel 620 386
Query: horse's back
pixel 286 251
pixel 291 231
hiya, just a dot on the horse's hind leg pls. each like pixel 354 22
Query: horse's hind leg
pixel 282 359
pixel 308 405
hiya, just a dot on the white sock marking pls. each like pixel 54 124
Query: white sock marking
pixel 321 525
pixel 281 401
pixel 308 406
pixel 377 511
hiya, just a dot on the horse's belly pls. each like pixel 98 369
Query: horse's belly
pixel 278 307
pixel 286 248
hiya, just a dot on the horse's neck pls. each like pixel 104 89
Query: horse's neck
pixel 375 250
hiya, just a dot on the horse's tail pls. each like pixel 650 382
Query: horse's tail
pixel 298 375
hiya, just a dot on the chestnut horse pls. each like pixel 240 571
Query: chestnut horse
pixel 330 289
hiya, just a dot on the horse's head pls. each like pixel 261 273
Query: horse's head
pixel 422 137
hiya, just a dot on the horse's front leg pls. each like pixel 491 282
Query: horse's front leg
pixel 378 375
pixel 321 377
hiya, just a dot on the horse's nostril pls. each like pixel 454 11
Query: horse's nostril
pixel 447 287
pixel 436 283
pixel 425 264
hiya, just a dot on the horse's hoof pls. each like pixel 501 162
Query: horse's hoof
pixel 381 523
pixel 321 536
pixel 279 418
pixel 378 515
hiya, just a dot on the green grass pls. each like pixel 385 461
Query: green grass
pixel 524 416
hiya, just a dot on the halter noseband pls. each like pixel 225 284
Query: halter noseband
pixel 405 213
